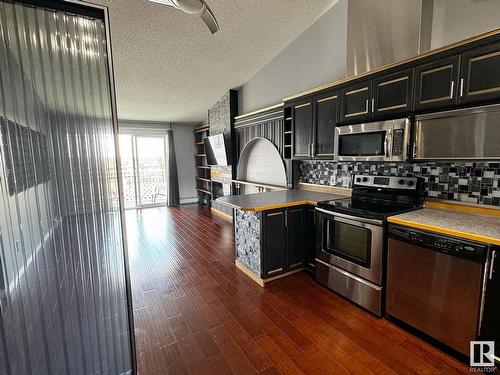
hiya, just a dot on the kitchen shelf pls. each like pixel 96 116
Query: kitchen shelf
pixel 204 191
pixel 202 177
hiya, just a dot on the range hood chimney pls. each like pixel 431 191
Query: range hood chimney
pixel 380 32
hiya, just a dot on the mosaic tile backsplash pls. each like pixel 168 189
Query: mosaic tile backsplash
pixel 472 182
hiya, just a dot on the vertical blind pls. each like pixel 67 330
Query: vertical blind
pixel 63 299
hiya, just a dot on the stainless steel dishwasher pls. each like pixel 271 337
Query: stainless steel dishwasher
pixel 434 284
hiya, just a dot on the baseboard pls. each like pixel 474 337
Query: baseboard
pixel 188 200
pixel 258 280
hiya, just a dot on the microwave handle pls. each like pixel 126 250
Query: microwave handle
pixel 388 143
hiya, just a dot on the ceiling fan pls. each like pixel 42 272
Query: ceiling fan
pixel 197 7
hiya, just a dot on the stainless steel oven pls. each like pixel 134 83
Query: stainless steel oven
pixel 349 257
pixel 374 141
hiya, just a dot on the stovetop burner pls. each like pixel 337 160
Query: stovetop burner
pixel 376 197
pixel 367 208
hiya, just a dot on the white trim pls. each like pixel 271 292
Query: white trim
pixel 188 200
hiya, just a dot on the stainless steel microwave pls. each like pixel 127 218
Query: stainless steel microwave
pixel 373 141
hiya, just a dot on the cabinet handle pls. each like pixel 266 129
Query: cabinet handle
pixel 461 87
pixel 492 264
pixel 366 108
pixel 373 105
pixel 312 149
pixel 451 89
pixel 286 219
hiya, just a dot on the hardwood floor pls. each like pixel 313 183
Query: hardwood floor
pixel 196 313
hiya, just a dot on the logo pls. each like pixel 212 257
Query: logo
pixel 482 354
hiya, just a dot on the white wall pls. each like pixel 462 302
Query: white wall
pixel 316 57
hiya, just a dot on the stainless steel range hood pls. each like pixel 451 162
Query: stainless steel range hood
pixel 384 31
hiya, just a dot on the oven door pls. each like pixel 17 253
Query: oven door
pixel 375 141
pixel 353 244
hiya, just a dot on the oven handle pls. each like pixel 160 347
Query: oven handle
pixel 355 218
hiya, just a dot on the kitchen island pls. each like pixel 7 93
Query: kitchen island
pixel 275 231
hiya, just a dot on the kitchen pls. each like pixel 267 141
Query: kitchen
pixel 378 186
pixel 249 187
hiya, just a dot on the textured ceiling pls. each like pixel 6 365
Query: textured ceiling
pixel 168 67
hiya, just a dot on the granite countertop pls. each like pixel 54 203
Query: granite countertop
pixel 276 199
pixel 472 226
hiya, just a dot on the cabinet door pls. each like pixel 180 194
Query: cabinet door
pixel 355 102
pixel 295 237
pixel 274 243
pixel 436 84
pixel 480 74
pixel 326 115
pixel 302 129
pixel 490 329
pixel 310 237
pixel 393 93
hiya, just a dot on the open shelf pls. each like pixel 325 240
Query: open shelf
pixel 202 177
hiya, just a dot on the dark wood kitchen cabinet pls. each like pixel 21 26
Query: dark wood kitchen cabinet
pixel 325 120
pixel 490 327
pixel 392 93
pixel 283 240
pixel 355 102
pixel 480 74
pixel 274 242
pixel 294 237
pixel 302 127
pixel 386 95
pixel 310 237
pixel 436 84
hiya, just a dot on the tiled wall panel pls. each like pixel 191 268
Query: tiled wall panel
pixel 473 182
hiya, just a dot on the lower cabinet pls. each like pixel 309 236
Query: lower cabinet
pixel 310 237
pixel 283 235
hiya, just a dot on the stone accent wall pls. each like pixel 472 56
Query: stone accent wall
pixel 247 237
pixel 473 182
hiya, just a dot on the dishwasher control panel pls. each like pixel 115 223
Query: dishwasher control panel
pixel 442 243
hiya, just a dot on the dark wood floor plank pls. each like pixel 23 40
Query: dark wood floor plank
pixel 233 354
pixel 196 313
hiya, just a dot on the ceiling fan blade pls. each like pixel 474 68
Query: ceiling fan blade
pixel 208 17
pixel 164 2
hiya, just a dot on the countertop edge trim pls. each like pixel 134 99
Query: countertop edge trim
pixel 270 207
pixel 451 232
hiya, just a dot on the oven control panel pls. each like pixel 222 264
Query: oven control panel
pixel 386 182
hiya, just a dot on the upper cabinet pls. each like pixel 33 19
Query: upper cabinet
pixel 383 96
pixel 392 93
pixel 313 126
pixel 480 74
pixel 302 128
pixel 436 84
pixel 326 108
pixel 355 102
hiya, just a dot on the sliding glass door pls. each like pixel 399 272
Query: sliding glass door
pixel 143 170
